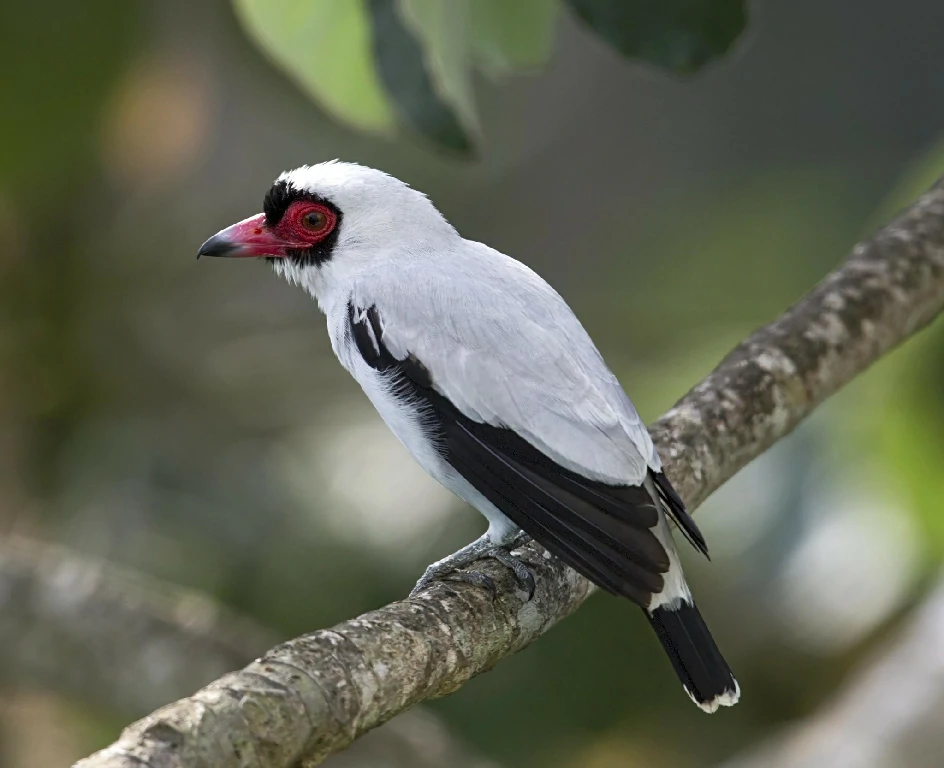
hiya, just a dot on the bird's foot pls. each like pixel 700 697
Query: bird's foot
pixel 448 567
pixel 520 570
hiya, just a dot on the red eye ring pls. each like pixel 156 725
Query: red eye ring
pixel 313 220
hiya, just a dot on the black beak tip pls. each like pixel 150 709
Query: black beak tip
pixel 217 245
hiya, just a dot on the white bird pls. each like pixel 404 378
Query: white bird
pixel 487 377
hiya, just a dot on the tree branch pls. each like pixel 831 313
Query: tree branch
pixel 109 636
pixel 314 695
pixel 125 643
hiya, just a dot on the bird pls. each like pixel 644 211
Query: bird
pixel 486 376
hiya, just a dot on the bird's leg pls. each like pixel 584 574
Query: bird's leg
pixel 484 546
pixel 469 553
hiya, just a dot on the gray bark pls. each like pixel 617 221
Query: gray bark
pixel 122 642
pixel 108 636
pixel 311 696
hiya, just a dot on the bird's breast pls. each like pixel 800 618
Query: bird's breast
pixel 404 416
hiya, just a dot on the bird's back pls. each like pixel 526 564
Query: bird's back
pixel 507 350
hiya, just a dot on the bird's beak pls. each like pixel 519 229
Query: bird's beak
pixel 249 238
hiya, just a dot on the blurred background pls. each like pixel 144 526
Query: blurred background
pixel 178 486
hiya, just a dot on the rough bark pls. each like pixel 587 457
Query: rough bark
pixel 108 636
pixel 125 643
pixel 313 695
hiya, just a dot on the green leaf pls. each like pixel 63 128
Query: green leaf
pixel 679 35
pixel 443 30
pixel 407 78
pixel 513 36
pixel 59 69
pixel 325 46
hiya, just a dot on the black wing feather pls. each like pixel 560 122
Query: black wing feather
pixel 676 508
pixel 601 531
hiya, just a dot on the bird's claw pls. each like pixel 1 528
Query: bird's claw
pixel 429 576
pixel 476 579
pixel 447 572
pixel 519 569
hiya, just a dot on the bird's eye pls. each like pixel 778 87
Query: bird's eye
pixel 314 221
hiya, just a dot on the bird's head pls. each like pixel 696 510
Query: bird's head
pixel 323 223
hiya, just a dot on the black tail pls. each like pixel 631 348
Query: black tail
pixel 704 673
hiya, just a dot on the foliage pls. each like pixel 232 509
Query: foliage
pixel 84 48
pixel 680 35
pixel 368 60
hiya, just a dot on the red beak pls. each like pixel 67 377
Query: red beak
pixel 249 238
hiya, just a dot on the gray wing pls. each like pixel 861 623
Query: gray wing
pixel 606 530
pixel 505 349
